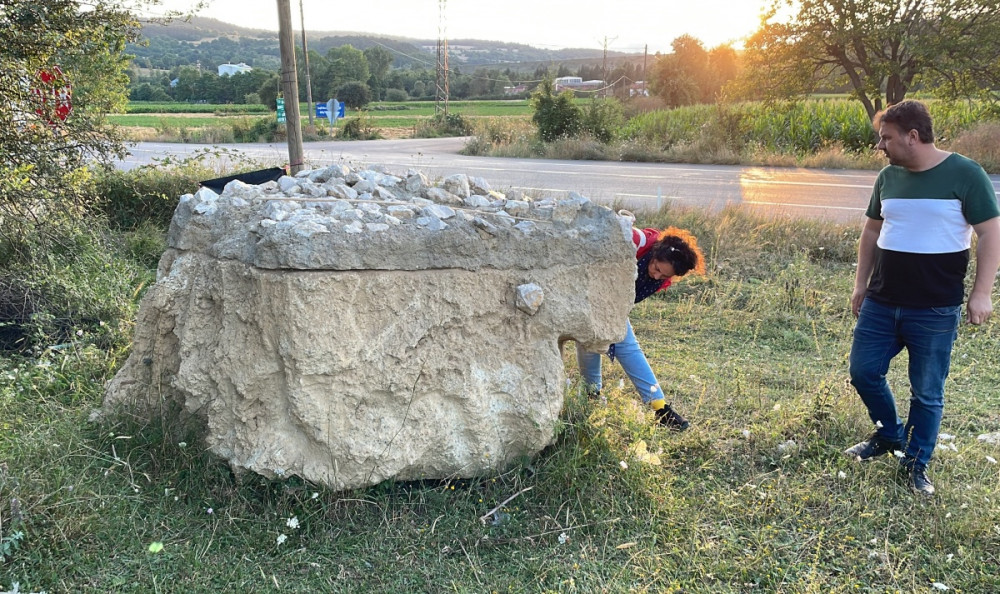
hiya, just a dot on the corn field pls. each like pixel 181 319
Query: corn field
pixel 793 127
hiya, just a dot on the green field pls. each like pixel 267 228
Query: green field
pixel 176 107
pixel 172 121
pixel 382 115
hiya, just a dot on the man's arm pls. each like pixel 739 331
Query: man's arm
pixel 866 262
pixel 987 261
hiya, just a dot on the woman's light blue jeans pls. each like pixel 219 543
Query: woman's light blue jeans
pixel 633 362
pixel 928 335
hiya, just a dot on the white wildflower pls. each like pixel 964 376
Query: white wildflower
pixel 281 539
pixel 940 586
pixel 293 522
pixel 841 474
pixel 315 495
pixel 991 459
pixel 788 447
pixel 745 433
pixel 563 538
pixel 623 464
pixel 209 511
pixel 950 557
pixel 946 436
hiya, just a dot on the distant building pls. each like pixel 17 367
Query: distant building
pixel 638 89
pixel 575 83
pixel 231 69
pixel 516 90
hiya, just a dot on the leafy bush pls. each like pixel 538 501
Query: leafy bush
pixel 396 95
pixel 256 129
pixel 354 95
pixel 556 116
pixel 439 125
pixel 359 128
pixel 603 119
pixel 146 194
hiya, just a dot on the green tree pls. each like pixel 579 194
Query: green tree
pixel 555 115
pixel 344 64
pixel 268 91
pixel 673 83
pixel 883 48
pixel 692 74
pixel 354 94
pixel 379 62
pixel 44 158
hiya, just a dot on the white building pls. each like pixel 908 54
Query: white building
pixel 575 83
pixel 231 69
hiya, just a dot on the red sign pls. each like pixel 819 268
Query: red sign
pixel 54 93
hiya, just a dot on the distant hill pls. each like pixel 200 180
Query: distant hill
pixel 210 42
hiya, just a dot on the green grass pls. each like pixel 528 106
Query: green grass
pixel 172 107
pixel 754 354
pixel 164 121
pixel 407 115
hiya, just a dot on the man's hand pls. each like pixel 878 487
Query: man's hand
pixel 987 261
pixel 980 308
pixel 857 298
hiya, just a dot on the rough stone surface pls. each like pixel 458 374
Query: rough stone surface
pixel 349 336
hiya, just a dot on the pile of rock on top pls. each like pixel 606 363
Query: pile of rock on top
pixel 290 217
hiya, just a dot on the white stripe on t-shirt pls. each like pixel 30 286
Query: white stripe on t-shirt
pixel 924 226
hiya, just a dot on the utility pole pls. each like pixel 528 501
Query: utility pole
pixel 645 52
pixel 441 74
pixel 290 86
pixel 305 56
pixel 604 67
pixel 604 91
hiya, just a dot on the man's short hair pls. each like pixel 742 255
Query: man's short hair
pixel 908 115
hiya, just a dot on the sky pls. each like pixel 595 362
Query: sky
pixel 624 25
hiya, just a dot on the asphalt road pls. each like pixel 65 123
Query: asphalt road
pixel 836 195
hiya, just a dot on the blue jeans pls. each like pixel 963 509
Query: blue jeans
pixel 633 361
pixel 928 334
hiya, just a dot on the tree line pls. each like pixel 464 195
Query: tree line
pixel 690 74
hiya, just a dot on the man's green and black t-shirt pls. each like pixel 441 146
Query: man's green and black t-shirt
pixel 923 248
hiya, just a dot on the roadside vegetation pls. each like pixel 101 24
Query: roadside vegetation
pixel 827 132
pixel 756 496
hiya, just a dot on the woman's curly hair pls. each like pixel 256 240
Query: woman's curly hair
pixel 680 249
